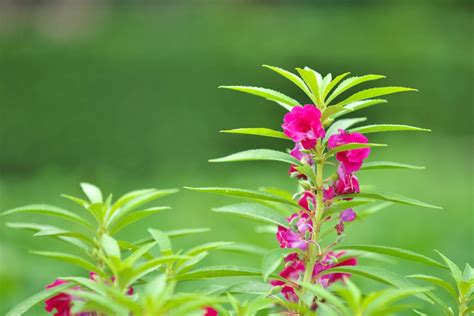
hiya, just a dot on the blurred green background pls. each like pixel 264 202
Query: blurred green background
pixel 124 95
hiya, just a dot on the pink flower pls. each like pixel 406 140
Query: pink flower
pixel 327 263
pixel 303 124
pixel 329 193
pixel 61 302
pixel 306 200
pixel 347 183
pixel 346 216
pixel 298 153
pixel 293 271
pixel 209 311
pixel 351 159
pixel 295 236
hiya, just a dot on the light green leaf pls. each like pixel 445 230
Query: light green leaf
pixel 92 192
pixel 186 232
pixel 258 131
pixel 379 165
pixel 358 105
pixel 251 287
pixel 245 248
pixel 329 111
pixel 391 197
pixel 137 254
pixel 104 302
pixel 292 77
pixel 69 258
pixel 254 211
pixel 327 296
pixel 351 82
pixel 387 128
pixel 134 217
pixel 397 253
pixel 344 205
pixel 436 281
pixel 249 194
pixel 76 200
pixel 49 210
pixel 352 146
pixel 384 302
pixel 333 83
pixel 373 92
pixel 362 214
pixel 272 260
pixel 218 272
pixel 312 80
pixel 163 241
pixel 153 264
pixel 259 154
pixel 207 247
pixel 342 124
pixel 269 94
pixel 110 246
pixel 40 297
pixel 455 271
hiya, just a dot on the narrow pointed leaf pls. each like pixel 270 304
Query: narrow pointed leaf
pixel 134 217
pixel 245 248
pixel 269 94
pixel 342 124
pixel 455 271
pixel 436 281
pixel 272 260
pixel 92 192
pixel 256 212
pixel 344 205
pixel 373 92
pixel 258 131
pixel 387 128
pixel 207 247
pixel 310 77
pixel 219 272
pixel 358 105
pixel 163 241
pixel 153 264
pixel 351 82
pixel 69 258
pixel 110 246
pixel 351 146
pixel 186 232
pixel 333 83
pixel 380 165
pixel 397 253
pixel 249 194
pixel 290 76
pixel 259 154
pixel 391 197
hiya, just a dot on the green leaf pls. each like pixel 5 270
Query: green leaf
pixel 358 105
pixel 455 271
pixel 110 246
pixel 342 124
pixel 391 197
pixel 251 287
pixel 344 205
pixel 387 128
pixel 269 94
pixel 245 248
pixel 40 297
pixel 76 200
pixel 92 192
pixel 379 165
pixel 373 92
pixel 362 214
pixel 186 232
pixel 218 272
pixel 292 77
pixel 272 260
pixel 134 217
pixel 312 80
pixel 249 194
pixel 384 301
pixel 333 83
pixel 259 154
pixel 352 146
pixel 137 254
pixel 153 264
pixel 105 303
pixel 207 247
pixel 49 210
pixel 163 241
pixel 329 111
pixel 254 211
pixel 351 82
pixel 69 258
pixel 397 253
pixel 436 281
pixel 258 131
pixel 327 296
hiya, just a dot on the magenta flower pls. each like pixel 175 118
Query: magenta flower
pixel 346 216
pixel 347 183
pixel 303 124
pixel 61 302
pixel 351 159
pixel 209 311
pixel 330 261
pixel 308 201
pixel 292 272
pixel 295 236
pixel 298 153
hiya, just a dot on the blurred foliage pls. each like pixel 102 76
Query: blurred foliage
pixel 125 96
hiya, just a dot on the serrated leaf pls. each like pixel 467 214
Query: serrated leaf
pixel 69 258
pixel 258 131
pixel 455 271
pixel 342 124
pixel 380 165
pixel 329 111
pixel 110 246
pixel 292 77
pixel 50 210
pixel 40 297
pixel 312 80
pixel 259 154
pixel 249 194
pixel 397 253
pixel 391 197
pixel 375 128
pixel 272 260
pixel 436 281
pixel 269 94
pixel 134 217
pixel 218 272
pixel 333 83
pixel 352 146
pixel 254 211
pixel 358 105
pixel 373 92
pixel 351 82
pixel 163 241
pixel 92 192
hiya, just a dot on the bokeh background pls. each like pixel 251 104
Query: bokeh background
pixel 124 94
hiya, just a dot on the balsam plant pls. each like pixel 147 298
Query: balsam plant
pixel 310 224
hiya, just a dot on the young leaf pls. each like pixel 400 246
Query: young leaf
pixel 269 94
pixel 436 281
pixel 455 271
pixel 351 146
pixel 258 131
pixel 351 82
pixel 249 194
pixel 163 241
pixel 373 92
pixel 292 77
pixel 50 210
pixel 397 253
pixel 379 165
pixel 92 192
pixel 186 231
pixel 272 260
pixel 333 83
pixel 254 211
pixel 259 154
pixel 110 246
pixel 387 128
pixel 218 272
pixel 342 124
pixel 134 217
pixel 312 80
pixel 391 197
pixel 358 105
pixel 40 297
pixel 207 247
pixel 69 258
pixel 153 264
